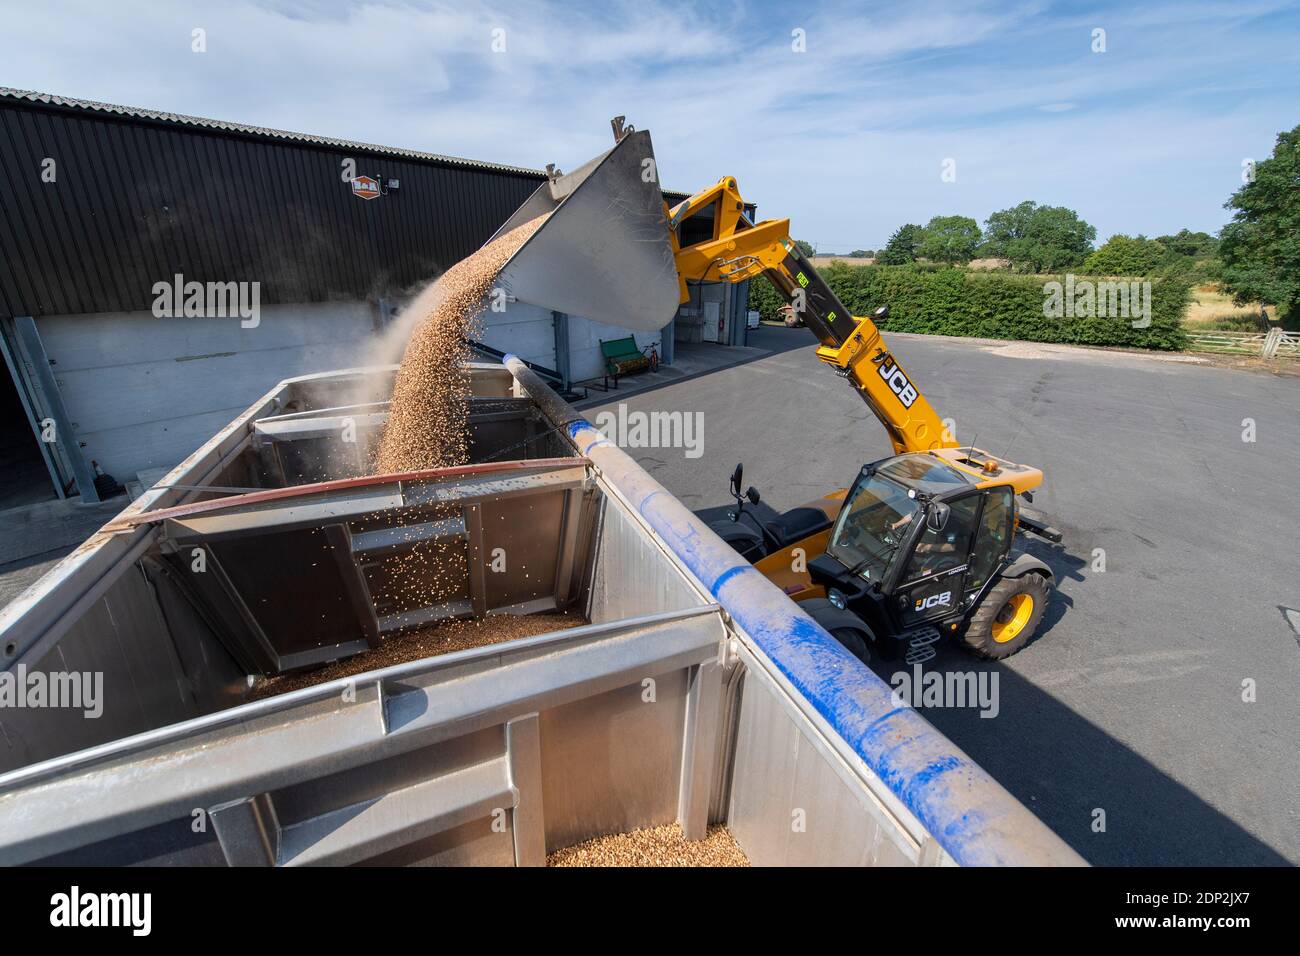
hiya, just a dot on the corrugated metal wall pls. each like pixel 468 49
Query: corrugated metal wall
pixel 135 202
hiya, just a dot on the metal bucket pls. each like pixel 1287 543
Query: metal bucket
pixel 604 252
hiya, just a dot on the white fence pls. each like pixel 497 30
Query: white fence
pixel 1271 344
pixel 1285 344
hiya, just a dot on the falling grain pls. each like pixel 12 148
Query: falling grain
pixel 427 420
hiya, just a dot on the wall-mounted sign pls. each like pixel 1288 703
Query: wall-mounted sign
pixel 365 187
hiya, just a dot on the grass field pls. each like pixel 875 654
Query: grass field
pixel 1212 308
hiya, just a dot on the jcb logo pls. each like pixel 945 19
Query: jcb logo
pixel 898 382
pixel 934 600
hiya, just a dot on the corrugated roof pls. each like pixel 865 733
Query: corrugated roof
pixel 135 112
pixel 201 122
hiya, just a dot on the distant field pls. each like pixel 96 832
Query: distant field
pixel 1212 308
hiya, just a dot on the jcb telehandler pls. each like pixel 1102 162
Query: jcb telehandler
pixel 921 546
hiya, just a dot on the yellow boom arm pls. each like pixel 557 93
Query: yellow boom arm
pixel 853 346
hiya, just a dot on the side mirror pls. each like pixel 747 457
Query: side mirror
pixel 752 495
pixel 936 516
pixel 737 477
pixel 882 312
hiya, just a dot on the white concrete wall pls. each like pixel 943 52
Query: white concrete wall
pixel 585 360
pixel 143 392
pixel 529 332
pixel 525 330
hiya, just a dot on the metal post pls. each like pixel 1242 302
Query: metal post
pixel 248 831
pixel 29 342
pixel 1271 342
pixel 699 749
pixel 523 740
pixel 561 323
pixel 742 307
pixel 47 455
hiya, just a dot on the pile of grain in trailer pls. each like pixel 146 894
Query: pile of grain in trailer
pixel 446 637
pixel 654 846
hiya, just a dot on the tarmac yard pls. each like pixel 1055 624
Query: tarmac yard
pixel 1155 718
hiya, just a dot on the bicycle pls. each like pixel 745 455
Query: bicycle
pixel 651 352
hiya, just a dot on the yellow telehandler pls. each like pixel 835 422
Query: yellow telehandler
pixel 921 546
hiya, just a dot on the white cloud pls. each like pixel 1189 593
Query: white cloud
pixel 846 138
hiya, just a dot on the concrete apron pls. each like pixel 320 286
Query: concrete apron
pixel 52 526
pixel 691 361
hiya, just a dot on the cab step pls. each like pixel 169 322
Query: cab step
pixel 920 644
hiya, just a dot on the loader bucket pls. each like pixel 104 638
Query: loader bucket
pixel 604 252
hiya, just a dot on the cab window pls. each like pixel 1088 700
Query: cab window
pixel 994 536
pixel 872 526
pixel 938 551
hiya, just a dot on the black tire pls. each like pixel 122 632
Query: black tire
pixel 845 626
pixel 999 607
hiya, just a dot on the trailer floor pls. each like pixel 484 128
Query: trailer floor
pixel 654 846
pixel 444 638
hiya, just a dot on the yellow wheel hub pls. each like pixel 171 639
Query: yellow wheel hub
pixel 1013 617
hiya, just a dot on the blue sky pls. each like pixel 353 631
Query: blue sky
pixel 848 138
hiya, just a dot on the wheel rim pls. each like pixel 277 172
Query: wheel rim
pixel 1013 617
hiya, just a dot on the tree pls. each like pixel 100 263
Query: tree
pixel 1038 238
pixel 901 248
pixel 949 239
pixel 1195 245
pixel 1124 255
pixel 1260 248
pixel 805 247
pixel 862 253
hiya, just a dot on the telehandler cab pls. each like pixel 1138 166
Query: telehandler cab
pixel 921 546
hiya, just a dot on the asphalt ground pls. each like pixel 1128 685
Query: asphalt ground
pixel 1156 717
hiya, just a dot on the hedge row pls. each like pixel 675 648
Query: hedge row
pixel 990 305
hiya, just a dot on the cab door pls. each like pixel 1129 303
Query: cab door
pixel 932 584
pixel 992 539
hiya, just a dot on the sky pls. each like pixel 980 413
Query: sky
pixel 848 118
